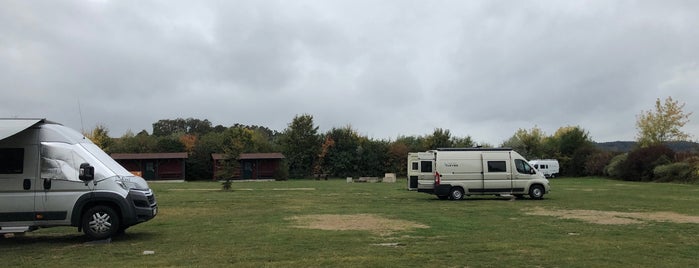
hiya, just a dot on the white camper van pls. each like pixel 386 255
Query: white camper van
pixel 549 167
pixel 460 172
pixel 51 175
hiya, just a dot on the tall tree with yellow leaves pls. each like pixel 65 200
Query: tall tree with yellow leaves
pixel 662 124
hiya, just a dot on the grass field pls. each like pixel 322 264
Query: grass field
pixel 586 222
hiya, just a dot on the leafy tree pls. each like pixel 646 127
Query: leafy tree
pixel 320 167
pixel 197 126
pixel 528 143
pixel 169 145
pixel 342 158
pixel 440 138
pixel 572 147
pixel 663 124
pixel 139 143
pixel 372 158
pixel 300 144
pixel 167 127
pixel 189 141
pixel 397 158
pixel 413 143
pixel 236 140
pixel 200 164
pixel 464 142
pixel 571 138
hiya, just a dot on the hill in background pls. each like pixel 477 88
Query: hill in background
pixel 627 146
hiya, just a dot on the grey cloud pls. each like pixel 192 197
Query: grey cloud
pixel 479 68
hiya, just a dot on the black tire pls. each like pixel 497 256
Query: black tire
pixel 536 191
pixel 443 197
pixel 100 222
pixel 456 193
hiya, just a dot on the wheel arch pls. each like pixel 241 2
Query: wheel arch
pixel 114 201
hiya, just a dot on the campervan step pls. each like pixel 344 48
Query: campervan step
pixel 20 229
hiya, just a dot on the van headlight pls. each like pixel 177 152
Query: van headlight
pixel 125 185
pixel 132 183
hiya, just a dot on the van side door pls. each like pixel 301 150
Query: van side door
pixel 18 183
pixel 497 172
pixel 425 173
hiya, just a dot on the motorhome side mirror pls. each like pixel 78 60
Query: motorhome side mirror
pixel 87 172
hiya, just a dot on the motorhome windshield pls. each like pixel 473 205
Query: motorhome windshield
pixel 106 160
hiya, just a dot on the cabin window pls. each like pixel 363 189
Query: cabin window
pixel 497 166
pixel 11 160
pixel 523 167
pixel 425 166
pixel 415 165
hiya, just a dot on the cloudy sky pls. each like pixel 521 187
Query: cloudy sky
pixel 387 68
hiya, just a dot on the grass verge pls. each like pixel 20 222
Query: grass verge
pixel 332 223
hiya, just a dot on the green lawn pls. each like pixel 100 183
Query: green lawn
pixel 584 222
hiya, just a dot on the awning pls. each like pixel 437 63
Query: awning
pixel 9 127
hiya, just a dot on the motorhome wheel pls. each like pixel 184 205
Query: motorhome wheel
pixel 456 194
pixel 536 191
pixel 100 222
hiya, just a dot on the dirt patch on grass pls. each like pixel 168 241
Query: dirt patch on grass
pixel 362 222
pixel 614 217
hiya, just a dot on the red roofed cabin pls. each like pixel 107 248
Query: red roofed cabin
pixel 154 166
pixel 253 166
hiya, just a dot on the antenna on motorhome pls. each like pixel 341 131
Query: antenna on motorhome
pixel 82 126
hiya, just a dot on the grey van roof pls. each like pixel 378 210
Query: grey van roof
pixel 12 126
pixel 475 149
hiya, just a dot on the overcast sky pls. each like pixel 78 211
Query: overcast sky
pixel 387 68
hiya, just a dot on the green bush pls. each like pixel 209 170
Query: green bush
pixel 615 168
pixel 596 163
pixel 676 172
pixel 640 163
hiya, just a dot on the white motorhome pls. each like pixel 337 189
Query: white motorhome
pixel 51 175
pixel 460 172
pixel 549 167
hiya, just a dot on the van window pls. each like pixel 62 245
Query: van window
pixel 497 166
pixel 522 166
pixel 415 166
pixel 11 160
pixel 425 166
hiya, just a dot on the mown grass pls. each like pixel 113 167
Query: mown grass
pixel 201 226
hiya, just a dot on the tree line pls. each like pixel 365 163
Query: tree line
pixel 343 152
